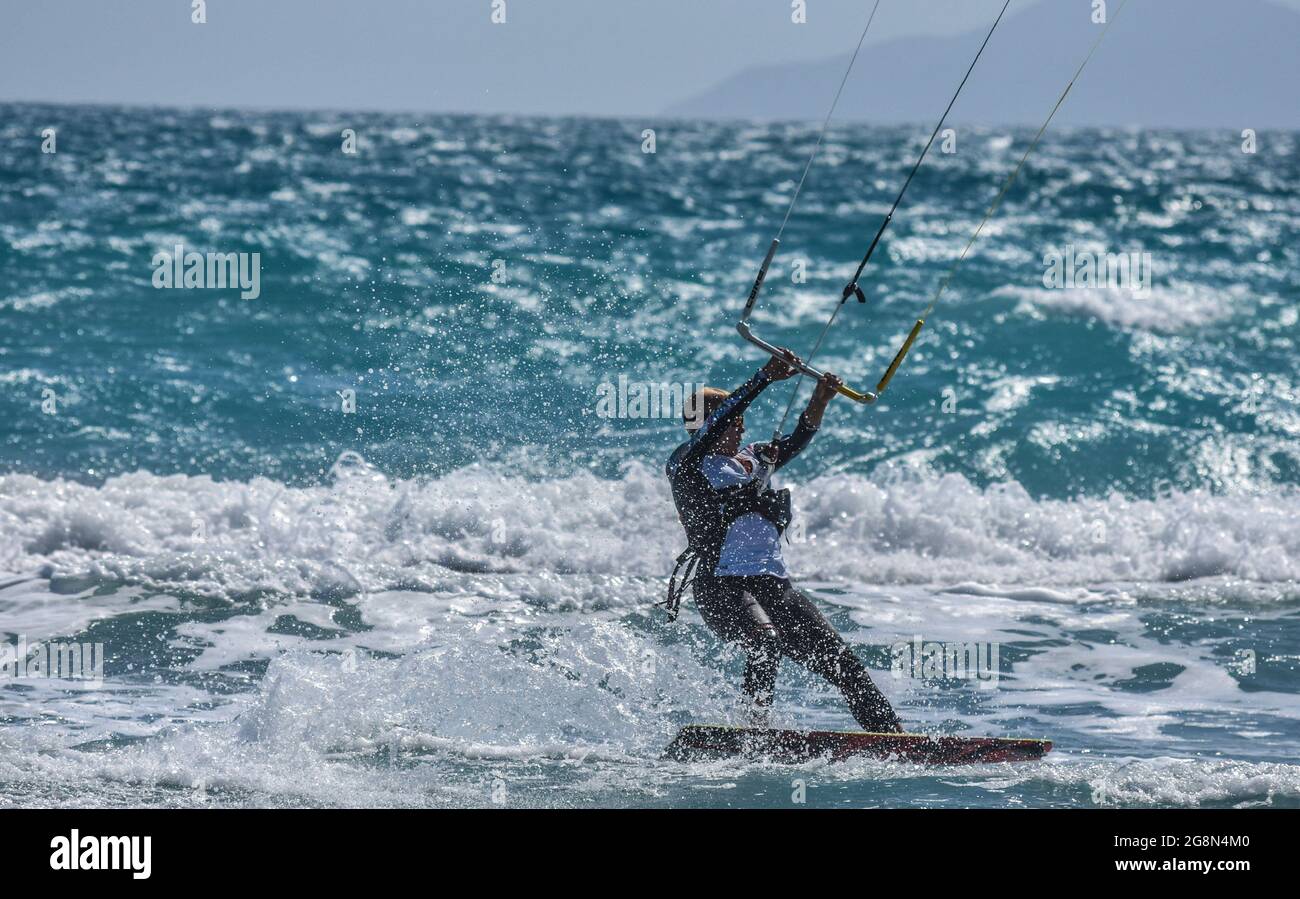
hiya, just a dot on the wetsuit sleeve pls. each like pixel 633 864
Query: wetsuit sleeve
pixel 793 443
pixel 709 433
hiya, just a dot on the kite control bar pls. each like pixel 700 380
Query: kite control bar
pixel 865 397
pixel 743 328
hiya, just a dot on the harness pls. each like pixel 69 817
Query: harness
pixel 773 505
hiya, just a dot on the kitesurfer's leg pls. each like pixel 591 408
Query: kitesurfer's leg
pixel 730 609
pixel 808 638
pixel 760 680
pixel 869 706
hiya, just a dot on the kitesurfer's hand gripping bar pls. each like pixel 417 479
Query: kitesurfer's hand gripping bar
pixel 865 397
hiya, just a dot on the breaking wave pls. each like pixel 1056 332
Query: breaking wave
pixel 364 531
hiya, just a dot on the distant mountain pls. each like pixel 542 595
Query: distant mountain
pixel 1171 63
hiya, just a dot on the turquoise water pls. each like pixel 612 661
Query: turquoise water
pixel 445 596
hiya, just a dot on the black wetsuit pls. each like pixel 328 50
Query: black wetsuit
pixel 764 613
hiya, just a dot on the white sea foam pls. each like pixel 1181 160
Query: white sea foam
pixel 1165 782
pixel 427 642
pixel 561 717
pixel 318 722
pixel 366 532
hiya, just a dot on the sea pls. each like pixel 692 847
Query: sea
pixel 387 523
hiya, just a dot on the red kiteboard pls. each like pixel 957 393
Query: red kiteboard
pixel 702 741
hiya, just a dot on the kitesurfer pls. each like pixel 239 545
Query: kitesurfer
pixel 734 522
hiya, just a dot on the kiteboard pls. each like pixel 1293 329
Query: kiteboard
pixel 698 742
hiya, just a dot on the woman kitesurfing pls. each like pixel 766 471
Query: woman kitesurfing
pixel 734 522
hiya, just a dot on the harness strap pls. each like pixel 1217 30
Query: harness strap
pixel 690 559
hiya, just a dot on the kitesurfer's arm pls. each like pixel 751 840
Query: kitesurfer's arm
pixel 827 387
pixel 778 368
pixel 793 443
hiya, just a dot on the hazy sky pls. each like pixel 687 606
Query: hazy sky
pixel 596 57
